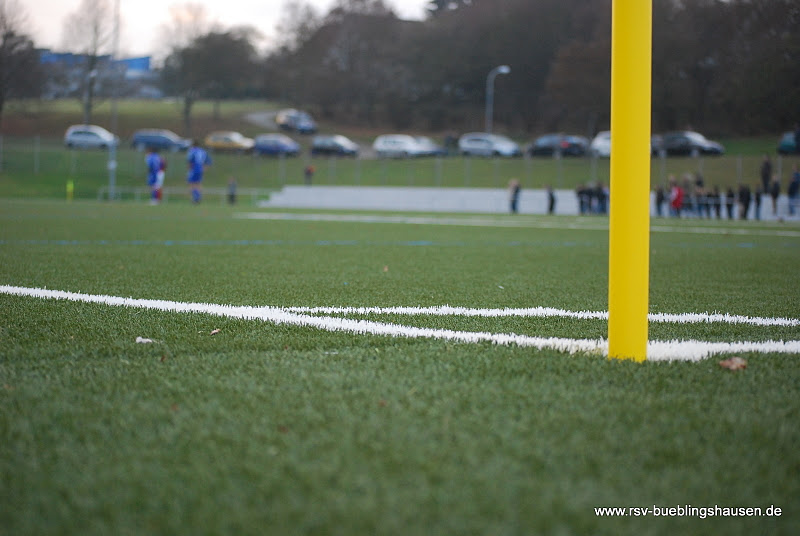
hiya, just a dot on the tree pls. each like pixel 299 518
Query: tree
pixel 217 65
pixel 187 22
pixel 298 23
pixel 89 31
pixel 20 74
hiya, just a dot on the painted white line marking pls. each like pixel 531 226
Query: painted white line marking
pixel 656 350
pixel 541 312
pixel 584 224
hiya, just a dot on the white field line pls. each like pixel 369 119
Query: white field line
pixel 656 350
pixel 489 221
pixel 447 310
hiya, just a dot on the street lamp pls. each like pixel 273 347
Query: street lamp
pixel 502 69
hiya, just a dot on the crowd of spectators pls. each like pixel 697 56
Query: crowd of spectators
pixel 690 197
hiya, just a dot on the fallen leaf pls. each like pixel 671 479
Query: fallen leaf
pixel 734 363
pixel 142 340
pixel 215 331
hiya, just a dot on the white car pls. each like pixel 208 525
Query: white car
pixel 398 146
pixel 601 144
pixel 485 144
pixel 89 137
pixel 429 147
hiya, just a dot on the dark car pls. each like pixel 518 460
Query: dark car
pixel 559 144
pixel 296 120
pixel 159 139
pixel 336 145
pixel 688 143
pixel 275 144
pixel 788 143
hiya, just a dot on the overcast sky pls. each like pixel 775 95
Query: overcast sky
pixel 141 18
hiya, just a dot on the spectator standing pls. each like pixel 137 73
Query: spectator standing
pixel 602 198
pixel 716 201
pixel 155 174
pixel 231 191
pixel 701 196
pixel 730 200
pixel 584 198
pixel 744 201
pixel 551 200
pixel 513 191
pixel 689 201
pixel 794 189
pixel 774 193
pixel 308 174
pixel 766 172
pixel 675 198
pixel 660 201
pixel 197 159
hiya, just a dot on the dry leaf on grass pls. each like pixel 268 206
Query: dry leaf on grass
pixel 734 363
pixel 142 340
pixel 215 331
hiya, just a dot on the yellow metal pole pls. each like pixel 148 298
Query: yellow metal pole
pixel 629 235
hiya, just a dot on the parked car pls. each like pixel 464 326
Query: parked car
pixel 336 145
pixel 430 147
pixel 485 144
pixel 601 144
pixel 160 139
pixel 229 141
pixel 399 146
pixel 296 120
pixel 657 145
pixel 559 144
pixel 89 137
pixel 275 144
pixel 788 143
pixel 688 143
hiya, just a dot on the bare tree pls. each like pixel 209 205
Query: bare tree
pixel 299 21
pixel 187 22
pixel 19 61
pixel 89 31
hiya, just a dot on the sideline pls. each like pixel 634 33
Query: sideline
pixel 688 350
pixel 585 224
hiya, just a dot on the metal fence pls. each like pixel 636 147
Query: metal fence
pixel 37 156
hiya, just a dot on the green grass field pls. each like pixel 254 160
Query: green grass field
pixel 267 428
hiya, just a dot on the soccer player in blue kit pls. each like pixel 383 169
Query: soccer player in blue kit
pixel 155 174
pixel 198 159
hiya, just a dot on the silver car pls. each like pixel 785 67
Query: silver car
pixel 486 144
pixel 89 137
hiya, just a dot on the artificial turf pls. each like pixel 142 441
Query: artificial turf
pixel 275 429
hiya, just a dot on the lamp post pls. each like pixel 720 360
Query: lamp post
pixel 112 149
pixel 502 69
